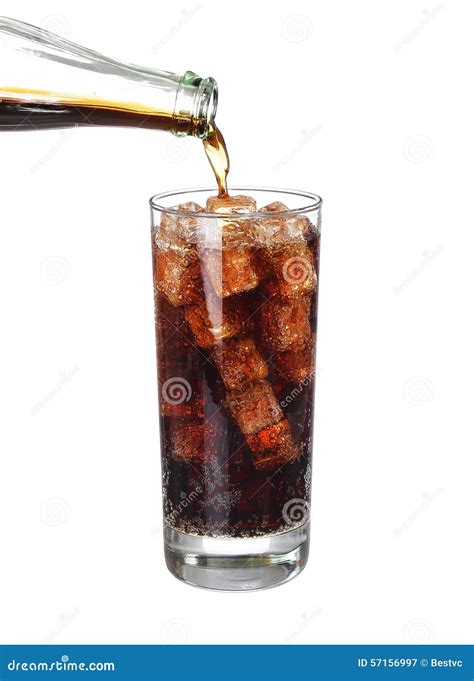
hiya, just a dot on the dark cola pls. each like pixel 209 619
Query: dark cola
pixel 236 310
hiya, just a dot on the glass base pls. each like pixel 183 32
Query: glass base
pixel 231 564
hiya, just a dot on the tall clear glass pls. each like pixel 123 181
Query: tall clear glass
pixel 236 293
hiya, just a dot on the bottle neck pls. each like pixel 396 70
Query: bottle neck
pixel 44 74
pixel 195 106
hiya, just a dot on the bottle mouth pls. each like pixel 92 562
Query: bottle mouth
pixel 205 107
pixel 195 106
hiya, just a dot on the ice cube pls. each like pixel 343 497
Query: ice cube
pixel 254 407
pixel 230 269
pixel 273 232
pixel 285 321
pixel 226 252
pixel 274 207
pixel 239 362
pixel 189 440
pixel 231 204
pixel 177 272
pixel 216 319
pixel 180 228
pixel 297 363
pixel 293 272
pixel 273 446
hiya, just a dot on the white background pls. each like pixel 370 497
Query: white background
pixel 368 104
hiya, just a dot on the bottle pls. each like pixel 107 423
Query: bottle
pixel 49 82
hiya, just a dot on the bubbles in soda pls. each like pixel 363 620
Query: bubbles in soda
pixel 236 310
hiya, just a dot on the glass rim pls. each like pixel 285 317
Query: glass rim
pixel 315 203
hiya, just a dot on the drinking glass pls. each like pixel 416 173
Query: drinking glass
pixel 236 291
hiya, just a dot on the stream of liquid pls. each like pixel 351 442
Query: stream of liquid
pixel 218 157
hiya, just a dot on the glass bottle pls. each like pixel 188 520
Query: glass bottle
pixel 49 82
